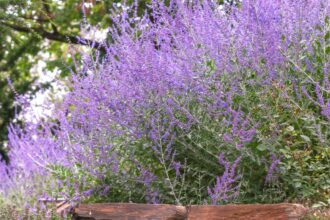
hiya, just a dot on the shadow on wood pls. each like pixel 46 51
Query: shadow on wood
pixel 124 211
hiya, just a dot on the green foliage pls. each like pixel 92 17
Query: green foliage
pixel 291 125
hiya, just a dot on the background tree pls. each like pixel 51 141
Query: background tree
pixel 30 28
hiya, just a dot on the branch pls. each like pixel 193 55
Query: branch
pixel 30 17
pixel 49 14
pixel 55 36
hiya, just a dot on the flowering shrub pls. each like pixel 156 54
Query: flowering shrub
pixel 191 103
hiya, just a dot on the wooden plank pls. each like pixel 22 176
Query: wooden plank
pixel 124 211
pixel 63 208
pixel 61 205
pixel 252 212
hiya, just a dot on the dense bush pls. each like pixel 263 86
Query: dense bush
pixel 192 103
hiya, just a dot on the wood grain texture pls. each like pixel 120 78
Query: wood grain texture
pixel 124 211
pixel 251 212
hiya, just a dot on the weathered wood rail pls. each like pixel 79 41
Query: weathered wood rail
pixel 130 211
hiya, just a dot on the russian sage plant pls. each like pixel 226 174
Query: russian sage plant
pixel 190 104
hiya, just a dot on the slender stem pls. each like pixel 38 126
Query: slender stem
pixel 166 170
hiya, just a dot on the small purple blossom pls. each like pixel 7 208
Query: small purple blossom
pixel 177 166
pixel 272 168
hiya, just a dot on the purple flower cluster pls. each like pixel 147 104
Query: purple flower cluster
pixel 226 187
